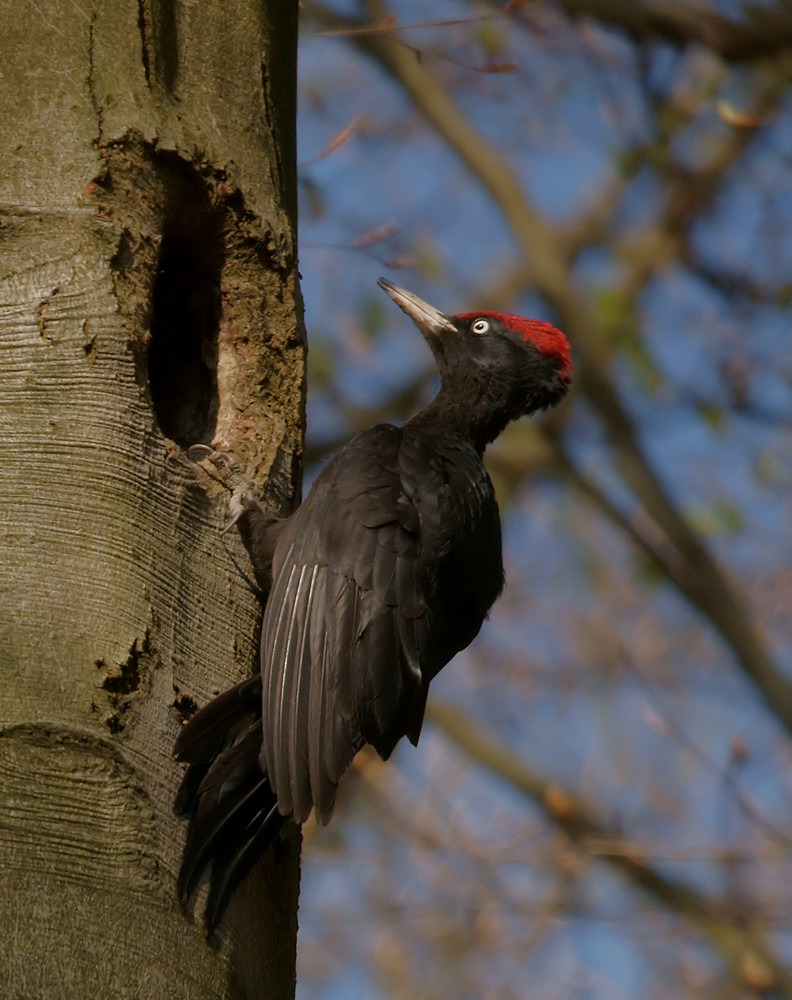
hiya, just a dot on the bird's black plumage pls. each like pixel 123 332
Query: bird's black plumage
pixel 386 570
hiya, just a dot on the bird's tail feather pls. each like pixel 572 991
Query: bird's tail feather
pixel 208 731
pixel 226 875
pixel 233 810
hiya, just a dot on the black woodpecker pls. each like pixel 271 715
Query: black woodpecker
pixel 384 572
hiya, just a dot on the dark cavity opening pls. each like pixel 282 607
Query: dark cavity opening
pixel 186 307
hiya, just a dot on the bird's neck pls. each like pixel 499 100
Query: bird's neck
pixel 467 418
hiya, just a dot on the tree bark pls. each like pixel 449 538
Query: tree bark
pixel 148 301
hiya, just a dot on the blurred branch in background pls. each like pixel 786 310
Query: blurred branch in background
pixel 763 31
pixel 695 570
pixel 691 203
pixel 748 955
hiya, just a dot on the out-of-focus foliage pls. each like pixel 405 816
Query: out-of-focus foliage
pixel 601 804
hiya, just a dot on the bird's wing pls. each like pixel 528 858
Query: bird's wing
pixel 385 572
pixel 459 562
pixel 333 669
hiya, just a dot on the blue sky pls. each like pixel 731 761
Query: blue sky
pixel 591 668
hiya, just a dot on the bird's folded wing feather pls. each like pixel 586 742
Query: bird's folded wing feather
pixel 333 673
pixel 350 637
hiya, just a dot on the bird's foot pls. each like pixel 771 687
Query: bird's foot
pixel 224 469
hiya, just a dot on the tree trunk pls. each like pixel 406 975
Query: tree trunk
pixel 149 301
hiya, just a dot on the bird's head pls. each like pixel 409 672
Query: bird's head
pixel 509 363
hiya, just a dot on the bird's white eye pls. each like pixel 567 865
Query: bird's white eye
pixel 480 326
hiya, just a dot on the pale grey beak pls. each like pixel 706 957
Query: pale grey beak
pixel 430 321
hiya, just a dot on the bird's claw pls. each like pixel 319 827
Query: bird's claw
pixel 198 452
pixel 220 465
pixel 224 469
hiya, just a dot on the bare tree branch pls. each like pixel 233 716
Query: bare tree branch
pixel 707 586
pixel 764 31
pixel 744 949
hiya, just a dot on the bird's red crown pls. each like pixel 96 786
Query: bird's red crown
pixel 543 336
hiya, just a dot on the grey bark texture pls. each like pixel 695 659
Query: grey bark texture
pixel 148 301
